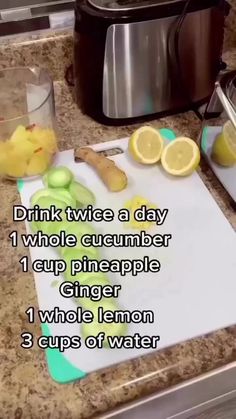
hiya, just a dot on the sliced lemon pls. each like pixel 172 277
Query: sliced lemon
pixel 181 157
pixel 224 147
pixel 146 145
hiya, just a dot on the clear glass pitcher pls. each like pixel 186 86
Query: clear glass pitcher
pixel 218 135
pixel 28 131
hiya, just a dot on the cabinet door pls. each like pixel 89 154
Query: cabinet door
pixel 18 16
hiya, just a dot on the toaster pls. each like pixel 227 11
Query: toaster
pixel 140 59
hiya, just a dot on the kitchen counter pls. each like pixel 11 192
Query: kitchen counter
pixel 26 389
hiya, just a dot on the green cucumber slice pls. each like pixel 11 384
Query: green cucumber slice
pixel 72 254
pixel 79 276
pixel 45 202
pixel 81 194
pixel 59 177
pixel 49 227
pixel 106 303
pixel 45 227
pixel 45 179
pixel 79 229
pixel 64 195
pixel 52 195
pixel 91 251
pixel 41 193
pixel 86 277
pixel 56 227
pixel 110 329
pixel 101 280
pixel 34 226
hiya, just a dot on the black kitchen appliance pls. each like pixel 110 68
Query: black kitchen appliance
pixel 135 60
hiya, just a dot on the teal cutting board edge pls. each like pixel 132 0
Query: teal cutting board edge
pixel 60 369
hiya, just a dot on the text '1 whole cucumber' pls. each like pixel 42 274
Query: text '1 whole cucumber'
pixel 89 240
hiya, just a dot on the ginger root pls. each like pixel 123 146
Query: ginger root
pixel 114 178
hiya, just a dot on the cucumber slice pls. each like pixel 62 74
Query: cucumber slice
pixel 64 195
pixel 45 227
pixel 101 280
pixel 52 195
pixel 46 202
pixel 34 226
pixel 59 177
pixel 106 303
pixel 41 193
pixel 110 329
pixel 79 229
pixel 79 275
pixel 81 194
pixel 48 227
pixel 86 277
pixel 91 251
pixel 56 227
pixel 72 254
pixel 45 180
pixel 67 275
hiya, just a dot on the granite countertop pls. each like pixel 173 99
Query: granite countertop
pixel 26 389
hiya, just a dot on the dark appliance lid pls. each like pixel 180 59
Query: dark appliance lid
pixel 122 5
pixel 91 14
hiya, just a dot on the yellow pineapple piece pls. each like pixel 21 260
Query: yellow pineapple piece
pixel 24 149
pixel 35 136
pixel 3 158
pixel 20 134
pixel 44 137
pixel 51 141
pixel 15 166
pixel 5 148
pixel 39 163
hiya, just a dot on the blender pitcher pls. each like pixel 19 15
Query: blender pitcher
pixel 218 134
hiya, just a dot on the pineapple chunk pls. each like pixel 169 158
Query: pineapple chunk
pixel 5 148
pixel 3 160
pixel 45 138
pixel 24 149
pixel 20 134
pixel 51 142
pixel 28 152
pixel 39 163
pixel 15 166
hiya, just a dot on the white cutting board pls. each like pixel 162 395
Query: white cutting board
pixel 193 294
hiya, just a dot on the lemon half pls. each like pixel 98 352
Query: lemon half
pixel 224 147
pixel 181 157
pixel 146 145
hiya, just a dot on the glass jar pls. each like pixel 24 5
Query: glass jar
pixel 217 128
pixel 28 134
